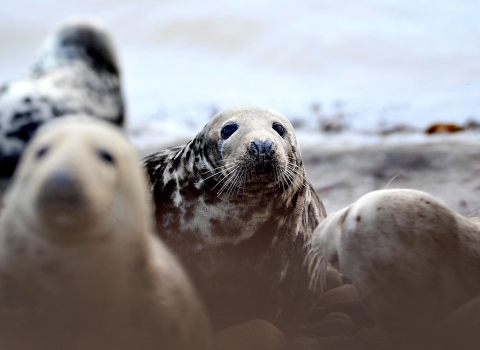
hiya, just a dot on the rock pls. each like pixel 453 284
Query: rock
pixel 372 339
pixel 333 279
pixel 251 335
pixel 346 343
pixel 443 128
pixel 341 342
pixel 339 315
pixel 303 343
pixel 345 292
pixel 459 331
pixel 354 309
pixel 332 325
pixel 327 342
pixel 316 316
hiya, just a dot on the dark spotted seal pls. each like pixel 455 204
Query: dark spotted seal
pixel 236 207
pixel 80 267
pixel 77 72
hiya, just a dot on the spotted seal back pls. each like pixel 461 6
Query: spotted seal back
pixel 236 207
pixel 77 72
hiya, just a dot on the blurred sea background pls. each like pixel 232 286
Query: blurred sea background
pixel 369 68
pixel 373 63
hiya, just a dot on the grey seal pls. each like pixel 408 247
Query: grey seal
pixel 77 72
pixel 80 266
pixel 412 258
pixel 236 207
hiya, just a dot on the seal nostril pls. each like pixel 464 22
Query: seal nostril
pixel 262 148
pixel 268 147
pixel 254 148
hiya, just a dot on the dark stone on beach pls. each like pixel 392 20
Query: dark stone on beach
pixel 316 316
pixel 333 324
pixel 332 279
pixel 458 331
pixel 354 309
pixel 251 335
pixel 372 339
pixel 345 292
pixel 303 343
pixel 341 342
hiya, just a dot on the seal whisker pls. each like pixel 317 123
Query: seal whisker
pixel 229 167
pixel 231 187
pixel 264 113
pixel 290 175
pixel 240 182
pixel 317 269
pixel 298 175
pixel 280 179
pixel 222 166
pixel 227 177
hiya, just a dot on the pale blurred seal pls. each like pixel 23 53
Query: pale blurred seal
pixel 412 258
pixel 79 265
pixel 77 72
pixel 235 205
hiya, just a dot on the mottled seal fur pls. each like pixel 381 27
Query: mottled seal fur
pixel 80 267
pixel 236 207
pixel 412 259
pixel 77 72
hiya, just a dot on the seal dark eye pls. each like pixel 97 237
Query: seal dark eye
pixel 279 128
pixel 41 152
pixel 105 156
pixel 228 130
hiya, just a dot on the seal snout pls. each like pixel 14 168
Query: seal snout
pixel 262 150
pixel 62 188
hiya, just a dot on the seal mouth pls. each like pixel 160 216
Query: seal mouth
pixel 256 174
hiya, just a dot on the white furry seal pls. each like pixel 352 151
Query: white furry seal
pixel 235 205
pixel 413 259
pixel 80 267
pixel 77 72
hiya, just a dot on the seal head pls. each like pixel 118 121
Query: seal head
pixel 249 150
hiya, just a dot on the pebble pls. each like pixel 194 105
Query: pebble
pixel 372 339
pixel 459 331
pixel 354 309
pixel 345 292
pixel 303 343
pixel 251 335
pixel 332 279
pixel 341 342
pixel 331 327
